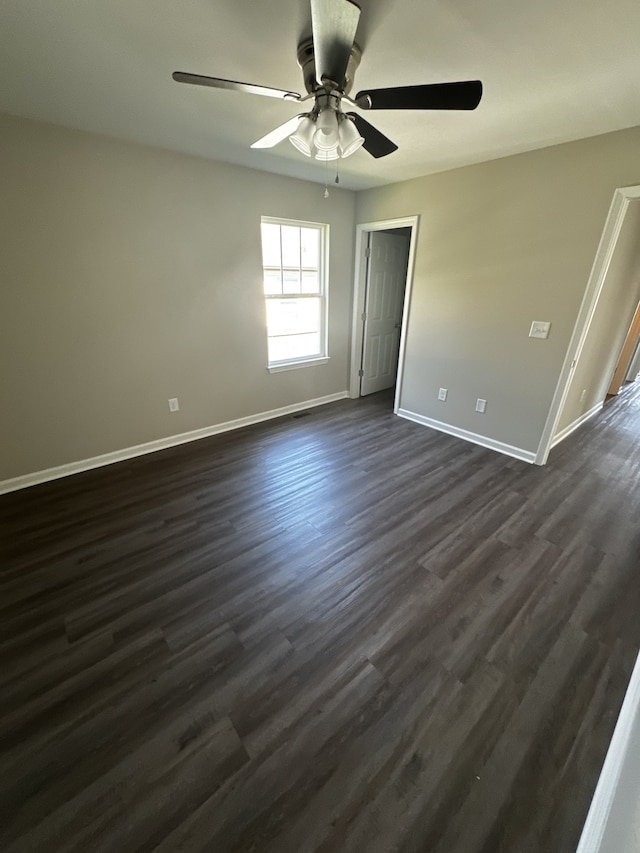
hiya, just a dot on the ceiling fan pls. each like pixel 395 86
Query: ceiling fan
pixel 328 61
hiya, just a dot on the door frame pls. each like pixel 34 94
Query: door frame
pixel 622 198
pixel 359 294
pixel 626 355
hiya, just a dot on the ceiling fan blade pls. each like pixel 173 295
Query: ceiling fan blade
pixel 279 133
pixel 219 83
pixel 432 96
pixel 334 24
pixel 376 143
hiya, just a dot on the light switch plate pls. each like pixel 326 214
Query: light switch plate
pixel 539 329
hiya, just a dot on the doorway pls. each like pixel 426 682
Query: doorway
pixel 629 350
pixel 385 253
pixel 595 308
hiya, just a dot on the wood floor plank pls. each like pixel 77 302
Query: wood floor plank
pixel 335 632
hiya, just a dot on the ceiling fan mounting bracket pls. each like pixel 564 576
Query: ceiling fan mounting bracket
pixel 306 61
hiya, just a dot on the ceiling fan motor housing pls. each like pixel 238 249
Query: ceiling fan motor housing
pixel 306 61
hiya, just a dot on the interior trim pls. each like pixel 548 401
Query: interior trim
pixel 566 432
pixel 474 438
pixel 614 778
pixel 279 367
pixel 66 470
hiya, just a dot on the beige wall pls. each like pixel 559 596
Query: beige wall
pixel 130 275
pixel 501 244
pixel 613 315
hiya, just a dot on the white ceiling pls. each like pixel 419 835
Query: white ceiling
pixel 553 71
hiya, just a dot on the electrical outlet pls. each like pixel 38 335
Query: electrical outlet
pixel 442 395
pixel 174 406
pixel 583 395
pixel 481 406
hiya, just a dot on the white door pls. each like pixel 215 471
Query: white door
pixel 386 279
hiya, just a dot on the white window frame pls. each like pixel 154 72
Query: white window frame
pixel 323 294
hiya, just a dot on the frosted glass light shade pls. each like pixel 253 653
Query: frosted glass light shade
pixel 326 136
pixel 302 139
pixel 350 139
pixel 328 153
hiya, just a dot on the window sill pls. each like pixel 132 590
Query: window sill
pixel 294 365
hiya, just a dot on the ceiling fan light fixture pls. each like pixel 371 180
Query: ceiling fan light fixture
pixel 302 139
pixel 328 59
pixel 350 139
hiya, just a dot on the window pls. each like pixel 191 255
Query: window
pixel 294 268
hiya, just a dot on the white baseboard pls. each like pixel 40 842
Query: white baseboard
pixel 560 436
pixel 611 825
pixel 474 438
pixel 44 476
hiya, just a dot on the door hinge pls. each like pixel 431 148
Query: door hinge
pixel 361 373
pixel 367 252
pixel 364 315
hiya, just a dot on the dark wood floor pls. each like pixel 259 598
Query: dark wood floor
pixel 334 632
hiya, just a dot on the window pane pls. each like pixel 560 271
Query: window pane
pixel 294 346
pixel 294 287
pixel 291 281
pixel 272 282
pixel 310 244
pixel 310 281
pixel 293 316
pixel 290 246
pixel 270 245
